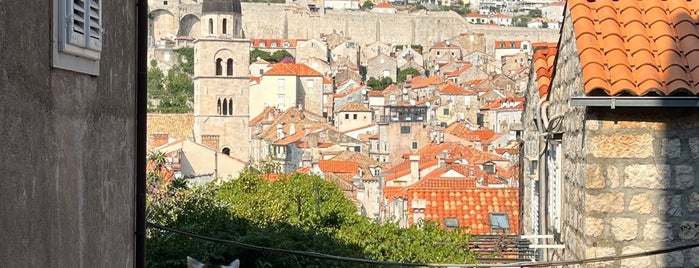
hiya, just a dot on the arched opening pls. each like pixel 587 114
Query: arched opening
pixel 224 26
pixel 230 107
pixel 218 107
pixel 226 151
pixel 211 26
pixel 225 107
pixel 229 67
pixel 189 26
pixel 219 67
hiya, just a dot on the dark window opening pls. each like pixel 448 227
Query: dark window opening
pixel 230 107
pixel 414 145
pixel 346 116
pixel 219 67
pixel 229 67
pixel 218 107
pixel 224 25
pixel 404 129
pixel 354 116
pixel 451 223
pixel 226 151
pixel 211 26
pixel 225 107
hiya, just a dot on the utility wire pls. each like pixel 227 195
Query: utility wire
pixel 368 261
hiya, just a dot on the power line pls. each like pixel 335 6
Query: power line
pixel 368 261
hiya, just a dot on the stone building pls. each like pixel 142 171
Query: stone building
pixel 402 130
pixel 381 66
pixel 617 132
pixel 221 78
pixel 69 137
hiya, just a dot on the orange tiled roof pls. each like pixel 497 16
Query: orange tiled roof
pixel 384 5
pixel 460 198
pixel 455 150
pixel 298 69
pixel 451 89
pixel 268 112
pixel 462 131
pixel 507 44
pixel 291 138
pixel 432 80
pixel 513 103
pixel 327 80
pixel 279 43
pixel 445 44
pixel 353 107
pixel 543 66
pixel 338 166
pixel 637 47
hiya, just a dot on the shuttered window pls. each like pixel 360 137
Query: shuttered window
pixel 78 35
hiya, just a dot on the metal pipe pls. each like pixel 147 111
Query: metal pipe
pixel 141 117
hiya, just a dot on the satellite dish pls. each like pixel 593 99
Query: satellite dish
pixel 363 91
pixel 427 104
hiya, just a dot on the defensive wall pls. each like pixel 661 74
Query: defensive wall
pixel 262 20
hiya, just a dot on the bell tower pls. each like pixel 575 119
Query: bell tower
pixel 221 77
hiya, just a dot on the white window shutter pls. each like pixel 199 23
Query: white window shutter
pixel 94 41
pixel 76 15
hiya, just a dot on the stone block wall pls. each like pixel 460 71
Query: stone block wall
pixel 630 175
pixel 641 183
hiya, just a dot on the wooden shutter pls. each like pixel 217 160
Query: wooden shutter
pixel 84 24
pixel 75 18
pixel 94 41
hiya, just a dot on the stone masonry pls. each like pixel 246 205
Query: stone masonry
pixel 630 175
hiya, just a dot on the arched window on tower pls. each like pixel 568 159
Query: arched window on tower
pixel 236 31
pixel 224 26
pixel 219 67
pixel 230 107
pixel 211 26
pixel 225 106
pixel 226 151
pixel 218 107
pixel 229 67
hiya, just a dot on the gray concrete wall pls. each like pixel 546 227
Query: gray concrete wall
pixel 67 194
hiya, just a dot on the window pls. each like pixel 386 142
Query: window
pixel 224 26
pixel 451 223
pixel 354 116
pixel 413 145
pixel 346 116
pixel 404 129
pixel 386 73
pixel 358 149
pixel 219 67
pixel 554 183
pixel 280 100
pixel 274 44
pixel 77 35
pixel 280 83
pixel 165 3
pixel 446 111
pixel 211 26
pixel 226 151
pixel 310 83
pixel 229 67
pixel 499 221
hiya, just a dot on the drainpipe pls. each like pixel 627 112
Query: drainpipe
pixel 141 117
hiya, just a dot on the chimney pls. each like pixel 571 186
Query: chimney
pixel 157 139
pixel 292 129
pixel 415 168
pixel 441 157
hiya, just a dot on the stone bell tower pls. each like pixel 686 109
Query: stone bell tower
pixel 221 77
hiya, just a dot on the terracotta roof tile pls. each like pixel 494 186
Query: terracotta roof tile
pixel 451 89
pixel 384 5
pixel 637 47
pixel 353 107
pixel 291 138
pixel 544 59
pixel 336 166
pixel 298 69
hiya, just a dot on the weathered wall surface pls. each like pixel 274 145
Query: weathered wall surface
pixel 68 144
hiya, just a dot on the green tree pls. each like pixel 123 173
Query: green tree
pixel 379 84
pixel 299 212
pixel 367 5
pixel 521 21
pixel 278 55
pixel 186 59
pixel 403 74
pixel 261 54
pixel 155 81
pixel 535 13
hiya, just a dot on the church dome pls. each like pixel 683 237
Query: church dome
pixel 221 6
